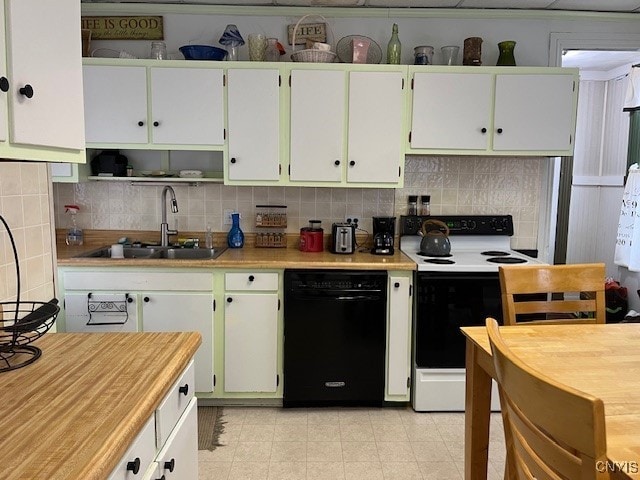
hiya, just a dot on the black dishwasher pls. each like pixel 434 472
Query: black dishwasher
pixel 334 337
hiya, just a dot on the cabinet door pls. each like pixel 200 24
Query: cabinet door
pixel 398 338
pixel 250 342
pixel 139 456
pixel 3 73
pixel 178 459
pixel 187 106
pixel 115 104
pixel 451 111
pixel 100 312
pixel 317 125
pixel 375 134
pixel 253 105
pixel 44 58
pixel 169 312
pixel 534 112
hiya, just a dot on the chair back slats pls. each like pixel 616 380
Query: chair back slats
pixel 553 293
pixel 557 432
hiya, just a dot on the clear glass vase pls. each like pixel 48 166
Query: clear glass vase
pixel 235 238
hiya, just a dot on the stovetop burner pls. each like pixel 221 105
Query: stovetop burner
pixel 436 256
pixel 439 261
pixel 506 260
pixel 495 253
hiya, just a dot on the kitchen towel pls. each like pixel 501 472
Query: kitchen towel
pixel 627 252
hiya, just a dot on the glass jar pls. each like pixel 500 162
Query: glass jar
pixel 412 205
pixel 423 55
pixel 158 51
pixel 425 205
pixel 272 54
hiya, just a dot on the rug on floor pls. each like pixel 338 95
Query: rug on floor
pixel 210 426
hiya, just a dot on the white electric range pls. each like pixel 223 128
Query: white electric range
pixel 454 291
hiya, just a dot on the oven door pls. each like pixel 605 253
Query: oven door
pixel 444 303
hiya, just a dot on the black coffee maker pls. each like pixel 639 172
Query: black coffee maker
pixel 384 228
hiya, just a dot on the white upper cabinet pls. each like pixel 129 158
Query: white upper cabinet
pixel 318 100
pixel 451 111
pixel 493 111
pixel 153 107
pixel 534 112
pixel 115 102
pixel 41 81
pixel 253 100
pixel 347 125
pixel 187 106
pixel 376 110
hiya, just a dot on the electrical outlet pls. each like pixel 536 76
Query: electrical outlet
pixel 352 219
pixel 227 217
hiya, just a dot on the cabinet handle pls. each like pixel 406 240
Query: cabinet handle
pixel 156 123
pixel 170 465
pixel 336 163
pixel 146 299
pixel 499 130
pixel 233 160
pixel 129 299
pixel 229 299
pixel 141 123
pixel 27 91
pixel 134 466
pixel 397 284
pixel 184 390
pixel 4 84
pixel 352 163
pixel 251 278
pixel 483 130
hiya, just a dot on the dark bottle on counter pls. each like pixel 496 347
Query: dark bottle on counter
pixel 425 205
pixel 412 205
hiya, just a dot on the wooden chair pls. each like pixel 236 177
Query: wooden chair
pixel 555 432
pixel 553 293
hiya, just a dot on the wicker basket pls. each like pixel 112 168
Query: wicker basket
pixel 311 55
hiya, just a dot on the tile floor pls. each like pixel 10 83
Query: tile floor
pixel 263 443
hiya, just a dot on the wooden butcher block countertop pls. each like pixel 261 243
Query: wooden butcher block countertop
pixel 73 413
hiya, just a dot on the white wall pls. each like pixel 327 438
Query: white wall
pixel 432 27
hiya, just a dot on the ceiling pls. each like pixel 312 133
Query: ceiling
pixel 599 60
pixel 619 6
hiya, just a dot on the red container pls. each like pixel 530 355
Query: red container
pixel 312 237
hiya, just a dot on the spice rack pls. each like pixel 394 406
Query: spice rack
pixel 272 218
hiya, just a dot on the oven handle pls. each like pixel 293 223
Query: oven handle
pixel 340 297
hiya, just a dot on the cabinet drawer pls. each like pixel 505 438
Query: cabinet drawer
pixel 174 404
pixel 251 281
pixel 138 458
pixel 137 280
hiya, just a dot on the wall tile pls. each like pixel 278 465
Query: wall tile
pixel 24 203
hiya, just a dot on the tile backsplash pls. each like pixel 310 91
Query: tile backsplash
pixel 457 185
pixel 24 204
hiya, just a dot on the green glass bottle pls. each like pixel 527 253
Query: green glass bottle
pixel 394 48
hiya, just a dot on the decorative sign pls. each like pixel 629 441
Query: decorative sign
pixel 316 32
pixel 124 28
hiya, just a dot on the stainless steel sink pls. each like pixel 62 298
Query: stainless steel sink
pixel 191 253
pixel 129 252
pixel 169 253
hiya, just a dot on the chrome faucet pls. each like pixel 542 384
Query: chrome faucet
pixel 164 226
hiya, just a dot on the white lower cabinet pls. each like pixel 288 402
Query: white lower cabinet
pixel 399 336
pixel 147 300
pixel 167 446
pixel 251 313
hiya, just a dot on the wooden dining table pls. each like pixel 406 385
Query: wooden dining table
pixel 602 360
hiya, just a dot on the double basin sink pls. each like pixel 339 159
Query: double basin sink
pixel 169 253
